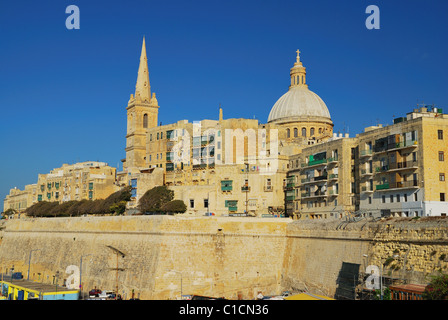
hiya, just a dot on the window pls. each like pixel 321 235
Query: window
pixel 440 134
pixel 191 203
pixel 303 132
pixel 441 156
pixel 383 199
pixel 370 200
pixel 205 203
pixel 288 133
pixel 391 198
pixel 442 197
pixel 398 198
pixel 405 196
pixel 415 196
pixel 296 133
pixel 441 177
pixel 145 121
pixel 311 132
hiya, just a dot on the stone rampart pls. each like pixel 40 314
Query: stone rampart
pixel 222 256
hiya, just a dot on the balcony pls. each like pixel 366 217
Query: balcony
pixel 245 189
pixel 402 145
pixel 333 176
pixel 366 189
pixel 394 146
pixel 383 186
pixel 366 172
pixel 411 184
pixel 405 165
pixel 332 160
pixel 316 194
pixel 315 179
pixel 381 169
pixel 268 188
pixel 365 153
pixel 314 163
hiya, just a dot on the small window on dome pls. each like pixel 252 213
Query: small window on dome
pixel 296 133
pixel 311 132
pixel 303 132
pixel 288 133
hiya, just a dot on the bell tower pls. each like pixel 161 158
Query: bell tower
pixel 142 113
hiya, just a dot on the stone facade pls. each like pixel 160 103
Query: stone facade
pixel 223 256
pixel 90 180
pixel 396 170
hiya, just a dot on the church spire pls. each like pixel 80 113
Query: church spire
pixel 298 73
pixel 142 88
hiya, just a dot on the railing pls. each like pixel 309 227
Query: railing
pixel 403 165
pixel 382 168
pixel 315 179
pixel 365 171
pixel 245 188
pixel 364 153
pixel 313 194
pixel 398 185
pixel 313 163
pixel 382 186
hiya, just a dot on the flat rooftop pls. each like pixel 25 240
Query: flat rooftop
pixel 35 286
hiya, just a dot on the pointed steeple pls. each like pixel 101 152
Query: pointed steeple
pixel 142 88
pixel 298 73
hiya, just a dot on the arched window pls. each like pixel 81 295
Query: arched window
pixel 320 130
pixel 296 133
pixel 303 132
pixel 288 133
pixel 311 132
pixel 145 121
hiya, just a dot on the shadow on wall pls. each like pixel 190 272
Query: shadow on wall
pixel 347 281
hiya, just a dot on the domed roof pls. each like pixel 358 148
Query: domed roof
pixel 299 102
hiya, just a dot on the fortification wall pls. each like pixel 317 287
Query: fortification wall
pixel 222 256
pixel 321 255
pixel 216 256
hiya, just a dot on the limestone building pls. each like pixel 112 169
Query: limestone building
pixel 292 164
pixel 397 170
pixel 223 166
pixel 19 200
pixel 90 180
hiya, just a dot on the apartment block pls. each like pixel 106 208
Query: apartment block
pixel 397 170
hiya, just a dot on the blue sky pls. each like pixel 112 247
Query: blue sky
pixel 63 93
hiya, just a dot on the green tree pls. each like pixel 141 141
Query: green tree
pixel 437 289
pixel 174 206
pixel 154 199
pixel 9 212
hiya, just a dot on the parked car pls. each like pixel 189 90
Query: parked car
pixel 94 292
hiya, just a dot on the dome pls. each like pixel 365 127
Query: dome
pixel 298 102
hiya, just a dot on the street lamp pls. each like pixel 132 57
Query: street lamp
pixel 80 274
pixel 29 263
pixel 180 281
